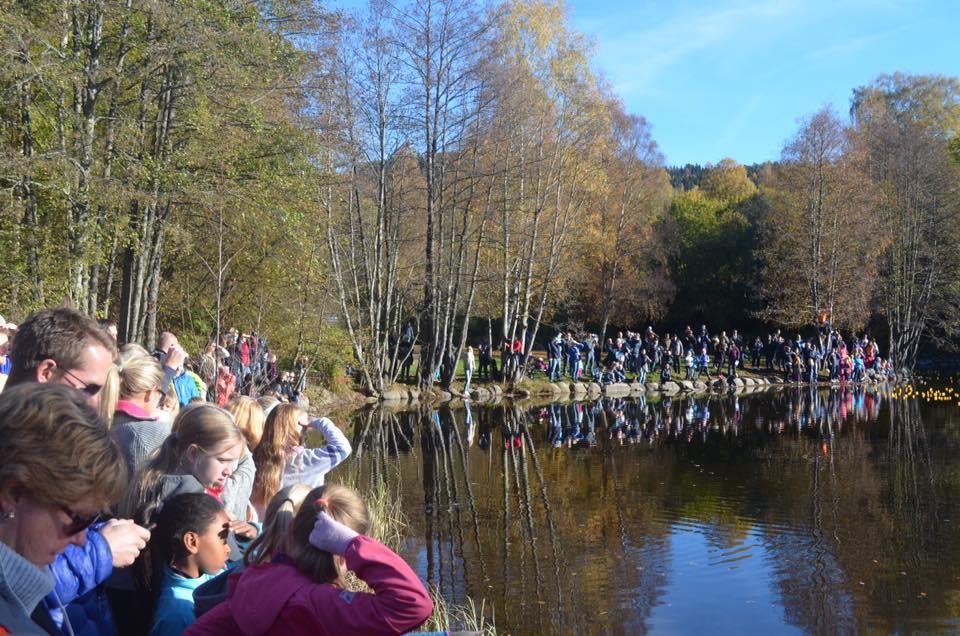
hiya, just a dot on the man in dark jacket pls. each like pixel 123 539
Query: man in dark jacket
pixel 554 354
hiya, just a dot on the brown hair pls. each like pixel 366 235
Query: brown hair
pixel 249 418
pixel 274 538
pixel 345 506
pixel 57 446
pixel 54 334
pixel 281 431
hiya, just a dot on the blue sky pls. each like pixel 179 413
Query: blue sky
pixel 731 78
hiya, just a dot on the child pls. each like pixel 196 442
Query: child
pixel 281 458
pixel 704 364
pixel 204 453
pixel 305 594
pixel 249 417
pixel 205 450
pixel 188 547
pixel 273 541
pixel 665 372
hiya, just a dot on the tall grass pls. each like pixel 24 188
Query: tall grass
pixel 467 617
pixel 388 525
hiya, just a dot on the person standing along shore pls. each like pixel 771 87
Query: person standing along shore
pixel 469 363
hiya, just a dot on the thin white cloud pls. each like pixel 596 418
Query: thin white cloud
pixel 844 49
pixel 644 54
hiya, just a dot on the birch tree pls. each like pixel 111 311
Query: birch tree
pixel 906 124
pixel 811 262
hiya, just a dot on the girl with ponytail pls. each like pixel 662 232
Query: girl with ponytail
pixel 202 454
pixel 303 591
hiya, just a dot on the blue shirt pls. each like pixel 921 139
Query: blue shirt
pixel 175 605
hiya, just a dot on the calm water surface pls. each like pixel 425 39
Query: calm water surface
pixel 786 512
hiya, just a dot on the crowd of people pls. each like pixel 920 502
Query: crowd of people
pixel 141 493
pixel 827 356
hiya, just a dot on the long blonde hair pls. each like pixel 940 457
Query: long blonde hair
pixel 204 425
pixel 281 431
pixel 274 538
pixel 345 506
pixel 109 395
pixel 249 418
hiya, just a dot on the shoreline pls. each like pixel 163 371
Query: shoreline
pixel 402 395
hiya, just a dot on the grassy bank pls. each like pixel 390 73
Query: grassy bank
pixel 388 525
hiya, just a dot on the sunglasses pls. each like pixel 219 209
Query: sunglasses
pixel 78 523
pixel 85 387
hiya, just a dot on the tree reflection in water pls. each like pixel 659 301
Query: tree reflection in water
pixel 817 510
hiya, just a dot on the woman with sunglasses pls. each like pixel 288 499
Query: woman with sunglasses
pixel 58 470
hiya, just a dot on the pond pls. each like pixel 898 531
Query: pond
pixel 798 510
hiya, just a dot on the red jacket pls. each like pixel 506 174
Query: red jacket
pixel 278 599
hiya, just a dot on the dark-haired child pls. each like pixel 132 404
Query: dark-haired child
pixel 188 547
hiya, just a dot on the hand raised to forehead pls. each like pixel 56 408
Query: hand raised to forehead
pixel 330 535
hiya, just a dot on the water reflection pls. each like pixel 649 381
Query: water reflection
pixel 820 511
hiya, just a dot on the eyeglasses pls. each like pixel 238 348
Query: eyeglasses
pixel 85 387
pixel 78 522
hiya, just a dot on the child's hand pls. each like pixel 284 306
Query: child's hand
pixel 330 535
pixel 243 529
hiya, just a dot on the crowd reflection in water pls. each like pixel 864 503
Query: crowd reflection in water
pixel 489 489
pixel 638 420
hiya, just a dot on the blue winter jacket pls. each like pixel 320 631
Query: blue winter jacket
pixel 186 388
pixel 78 572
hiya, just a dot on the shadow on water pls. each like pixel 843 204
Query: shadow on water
pixel 825 511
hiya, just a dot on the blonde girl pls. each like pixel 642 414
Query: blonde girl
pixel 274 538
pixel 281 458
pixel 201 455
pixel 249 418
pixel 136 427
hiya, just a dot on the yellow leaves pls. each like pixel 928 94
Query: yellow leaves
pixel 535 22
pixel 728 182
pixel 538 41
